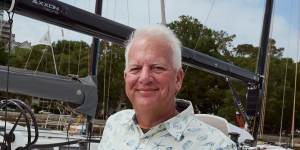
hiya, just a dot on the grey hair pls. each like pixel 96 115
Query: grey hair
pixel 161 32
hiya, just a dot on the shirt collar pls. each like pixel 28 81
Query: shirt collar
pixel 178 124
pixel 175 125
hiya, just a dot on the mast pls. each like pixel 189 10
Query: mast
pixel 95 44
pixel 93 64
pixel 262 63
pixel 163 12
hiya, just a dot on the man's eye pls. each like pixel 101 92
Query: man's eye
pixel 158 69
pixel 134 70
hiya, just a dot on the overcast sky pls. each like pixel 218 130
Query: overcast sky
pixel 240 17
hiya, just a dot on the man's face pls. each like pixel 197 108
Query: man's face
pixel 151 82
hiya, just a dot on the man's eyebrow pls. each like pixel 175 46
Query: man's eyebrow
pixel 159 64
pixel 133 65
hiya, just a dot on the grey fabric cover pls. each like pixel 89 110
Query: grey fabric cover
pixel 82 91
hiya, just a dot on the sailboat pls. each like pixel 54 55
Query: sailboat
pixel 64 15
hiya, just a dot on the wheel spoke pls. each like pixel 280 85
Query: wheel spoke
pixel 15 125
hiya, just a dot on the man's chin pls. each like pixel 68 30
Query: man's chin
pixel 145 101
pixel 146 94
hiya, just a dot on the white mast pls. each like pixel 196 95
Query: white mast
pixel 46 40
pixel 163 13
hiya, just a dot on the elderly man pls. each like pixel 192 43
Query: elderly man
pixel 153 76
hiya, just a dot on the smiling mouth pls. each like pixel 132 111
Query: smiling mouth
pixel 146 90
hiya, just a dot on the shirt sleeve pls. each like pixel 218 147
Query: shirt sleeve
pixel 111 134
pixel 226 144
pixel 105 141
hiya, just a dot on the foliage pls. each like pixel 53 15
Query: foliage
pixel 206 91
pixel 246 57
pixel 3 54
pixel 71 58
pixel 110 79
pixel 195 35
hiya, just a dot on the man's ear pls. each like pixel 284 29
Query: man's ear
pixel 124 74
pixel 179 79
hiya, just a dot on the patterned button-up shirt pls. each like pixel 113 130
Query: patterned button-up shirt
pixel 182 132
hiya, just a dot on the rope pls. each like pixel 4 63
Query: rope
pixel 115 9
pixel 109 80
pixel 104 82
pixel 79 58
pixel 44 50
pixel 106 7
pixel 46 63
pixel 25 67
pixel 69 58
pixel 283 100
pixel 295 89
pixel 54 62
pixel 149 20
pixel 237 101
pixel 128 12
pixel 63 50
pixel 10 21
pixel 285 75
pixel 205 21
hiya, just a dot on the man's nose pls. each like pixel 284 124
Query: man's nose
pixel 145 76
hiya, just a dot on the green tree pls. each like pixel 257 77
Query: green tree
pixel 71 58
pixel 110 79
pixel 3 54
pixel 246 57
pixel 206 91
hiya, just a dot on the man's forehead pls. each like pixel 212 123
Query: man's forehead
pixel 152 41
pixel 144 60
pixel 145 45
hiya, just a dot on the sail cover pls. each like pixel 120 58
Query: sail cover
pixel 81 91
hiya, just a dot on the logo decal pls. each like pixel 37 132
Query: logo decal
pixel 47 6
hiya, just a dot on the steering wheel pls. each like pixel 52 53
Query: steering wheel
pixel 28 115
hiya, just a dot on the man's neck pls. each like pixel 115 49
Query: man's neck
pixel 147 120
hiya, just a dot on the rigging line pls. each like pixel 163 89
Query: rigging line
pixel 68 128
pixel 128 12
pixel 90 125
pixel 115 9
pixel 283 100
pixel 205 21
pixel 285 75
pixel 44 50
pixel 69 58
pixel 149 20
pixel 25 67
pixel 200 32
pixel 267 72
pixel 53 57
pixel 79 58
pixel 253 126
pixel 295 86
pixel 104 80
pixel 46 62
pixel 63 50
pixel 237 101
pixel 10 21
pixel 109 81
pixel 106 7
